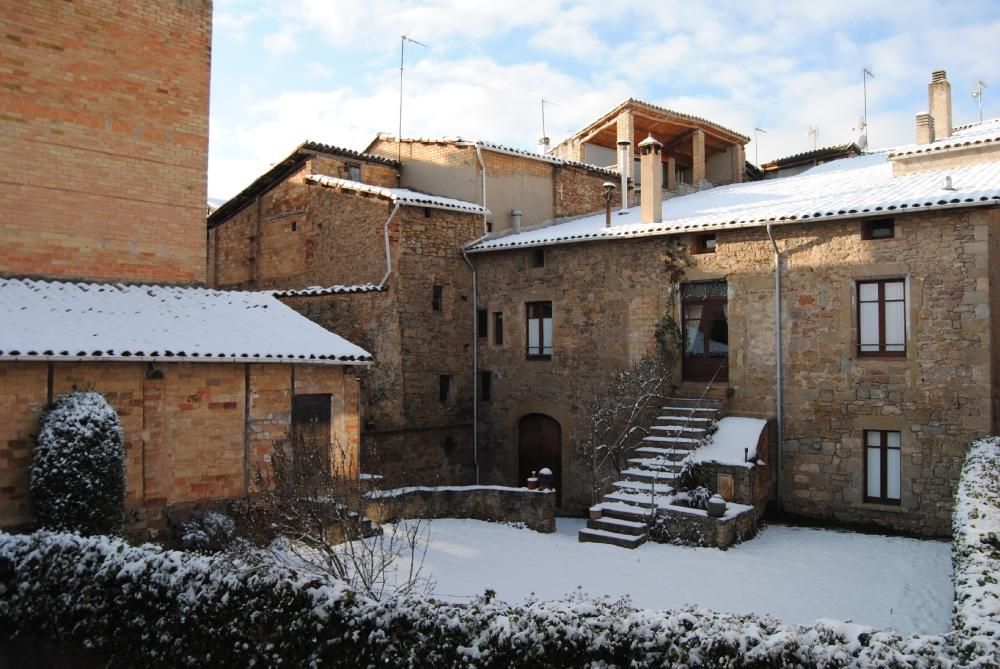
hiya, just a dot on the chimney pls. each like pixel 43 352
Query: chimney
pixel 939 103
pixel 515 219
pixel 925 128
pixel 623 145
pixel 651 171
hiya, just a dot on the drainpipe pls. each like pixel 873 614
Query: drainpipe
pixel 388 251
pixel 482 167
pixel 778 380
pixel 475 357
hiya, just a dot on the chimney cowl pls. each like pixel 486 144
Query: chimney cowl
pixel 939 75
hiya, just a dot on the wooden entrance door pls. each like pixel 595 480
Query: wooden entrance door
pixel 540 446
pixel 706 331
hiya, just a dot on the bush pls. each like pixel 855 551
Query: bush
pixel 78 466
pixel 210 532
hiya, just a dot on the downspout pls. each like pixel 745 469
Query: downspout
pixel 482 168
pixel 388 251
pixel 777 354
pixel 475 357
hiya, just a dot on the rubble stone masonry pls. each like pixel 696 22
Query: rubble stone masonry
pixel 104 139
pixel 199 433
pixel 608 296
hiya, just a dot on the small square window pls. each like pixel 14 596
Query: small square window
pixel 353 172
pixel 704 243
pixel 482 319
pixel 498 328
pixel 883 228
pixel 538 257
pixel 437 297
pixel 427 212
pixel 489 226
pixel 444 388
pixel 485 386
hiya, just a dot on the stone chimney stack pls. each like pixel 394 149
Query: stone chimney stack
pixel 939 103
pixel 651 175
pixel 925 128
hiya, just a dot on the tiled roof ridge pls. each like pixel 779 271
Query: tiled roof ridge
pixel 690 117
pixel 817 151
pixel 314 291
pixel 400 195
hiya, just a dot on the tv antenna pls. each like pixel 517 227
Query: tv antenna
pixel 756 144
pixel 403 39
pixel 865 73
pixel 978 95
pixel 543 143
pixel 814 133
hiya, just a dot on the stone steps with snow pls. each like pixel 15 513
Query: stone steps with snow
pixel 668 443
pixel 669 431
pixel 618 525
pixel 588 535
pixel 646 488
pixel 620 510
pixel 674 408
pixel 660 476
pixel 667 418
pixel 643 499
pixel 660 456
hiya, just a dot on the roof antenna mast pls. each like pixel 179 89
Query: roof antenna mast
pixel 814 133
pixel 403 39
pixel 978 95
pixel 756 144
pixel 543 143
pixel 865 73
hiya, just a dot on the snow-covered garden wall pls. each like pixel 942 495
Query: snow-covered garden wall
pixel 168 608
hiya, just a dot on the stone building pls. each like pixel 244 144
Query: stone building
pixel 697 153
pixel 382 266
pixel 522 189
pixel 105 136
pixel 800 162
pixel 889 303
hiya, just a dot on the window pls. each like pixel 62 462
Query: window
pixel 498 328
pixel 485 386
pixel 539 324
pixel 427 212
pixel 882 317
pixel 444 387
pixel 882 466
pixel 481 322
pixel 704 243
pixel 353 172
pixel 437 296
pixel 538 257
pixel 489 226
pixel 295 226
pixel 884 228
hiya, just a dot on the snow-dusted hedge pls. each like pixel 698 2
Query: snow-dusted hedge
pixel 144 605
pixel 78 466
pixel 976 545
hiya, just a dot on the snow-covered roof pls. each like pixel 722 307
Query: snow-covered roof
pixel 314 291
pixel 848 188
pixel 51 320
pixel 987 132
pixel 401 195
pixel 734 443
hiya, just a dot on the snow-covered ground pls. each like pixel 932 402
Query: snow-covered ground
pixel 798 574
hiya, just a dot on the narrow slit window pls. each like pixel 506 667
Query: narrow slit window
pixel 481 323
pixel 538 257
pixel 437 297
pixel 485 386
pixel 498 328
pixel 444 388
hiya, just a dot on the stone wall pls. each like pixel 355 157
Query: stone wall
pixel 103 175
pixel 607 296
pixel 580 191
pixel 198 433
pixel 696 528
pixel 534 508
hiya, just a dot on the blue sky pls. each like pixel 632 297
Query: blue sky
pixel 328 70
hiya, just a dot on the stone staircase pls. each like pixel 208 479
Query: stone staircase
pixel 623 517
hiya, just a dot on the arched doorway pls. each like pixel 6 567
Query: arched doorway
pixel 539 440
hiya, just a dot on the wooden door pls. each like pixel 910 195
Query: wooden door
pixel 706 331
pixel 540 446
pixel 311 435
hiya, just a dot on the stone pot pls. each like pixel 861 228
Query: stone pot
pixel 716 506
pixel 545 478
pixel 532 482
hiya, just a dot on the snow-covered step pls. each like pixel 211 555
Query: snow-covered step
pixel 641 499
pixel 687 419
pixel 663 457
pixel 656 441
pixel 679 409
pixel 684 429
pixel 618 525
pixel 620 510
pixel 669 429
pixel 659 476
pixel 588 535
pixel 644 487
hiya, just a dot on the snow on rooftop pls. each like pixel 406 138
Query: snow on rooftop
pixel 847 188
pixel 986 132
pixel 401 195
pixel 89 321
pixel 727 445
pixel 314 291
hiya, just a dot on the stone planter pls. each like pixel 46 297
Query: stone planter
pixel 716 507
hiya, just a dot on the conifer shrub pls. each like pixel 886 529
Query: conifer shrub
pixel 78 466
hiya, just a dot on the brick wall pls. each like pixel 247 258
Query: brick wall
pixel 606 297
pixel 104 139
pixel 189 437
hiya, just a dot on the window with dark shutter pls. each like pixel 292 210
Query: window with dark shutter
pixel 539 326
pixel 437 297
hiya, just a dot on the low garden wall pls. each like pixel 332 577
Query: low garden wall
pixel 694 527
pixel 536 509
pixel 143 605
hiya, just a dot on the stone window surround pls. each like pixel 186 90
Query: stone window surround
pixel 885 448
pixel 882 301
pixel 912 294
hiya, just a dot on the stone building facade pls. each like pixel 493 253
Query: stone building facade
pixel 322 246
pixel 926 387
pixel 102 175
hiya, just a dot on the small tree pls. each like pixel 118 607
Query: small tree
pixel 78 466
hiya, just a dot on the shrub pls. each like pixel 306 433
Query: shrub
pixel 210 532
pixel 78 466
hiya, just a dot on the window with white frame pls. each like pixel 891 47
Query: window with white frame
pixel 882 317
pixel 883 463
